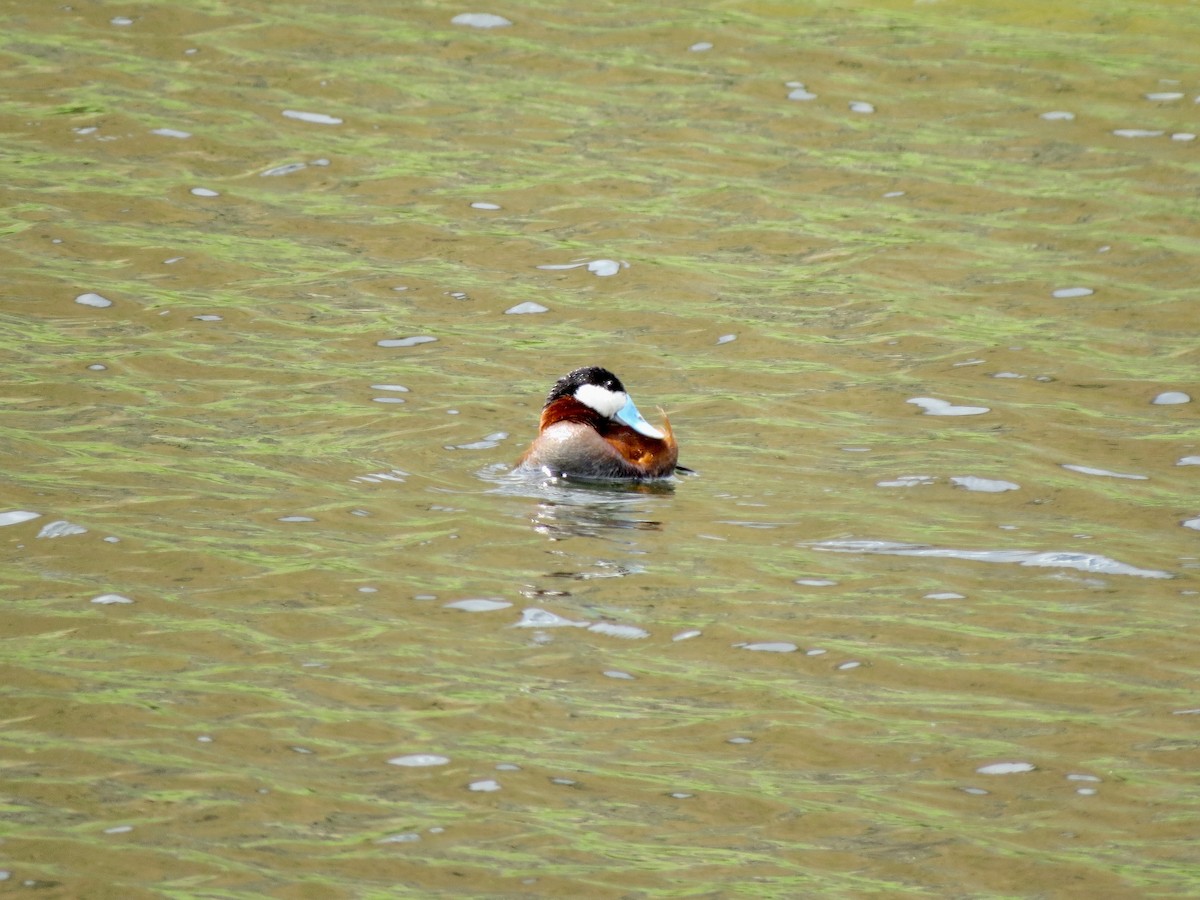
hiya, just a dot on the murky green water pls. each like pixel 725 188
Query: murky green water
pixel 290 542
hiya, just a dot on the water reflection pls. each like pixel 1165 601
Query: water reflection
pixel 565 508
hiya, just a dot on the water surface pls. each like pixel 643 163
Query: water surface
pixel 874 648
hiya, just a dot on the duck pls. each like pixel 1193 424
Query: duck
pixel 591 429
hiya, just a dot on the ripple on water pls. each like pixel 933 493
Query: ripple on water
pixel 526 308
pixel 769 646
pixel 481 20
pixel 1088 470
pixel 93 300
pixel 17 516
pixel 314 118
pixel 601 267
pixel 1086 562
pixel 111 599
pixel 613 629
pixel 1006 768
pixel 533 617
pixel 61 528
pixel 480 604
pixel 1171 398
pixel 935 407
pixel 1069 292
pixel 406 341
pixel 417 760
pixel 984 485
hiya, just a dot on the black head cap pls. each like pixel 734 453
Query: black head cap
pixel 573 381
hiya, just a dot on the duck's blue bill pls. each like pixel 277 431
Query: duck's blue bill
pixel 629 415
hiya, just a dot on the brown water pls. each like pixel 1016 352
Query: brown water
pixel 871 633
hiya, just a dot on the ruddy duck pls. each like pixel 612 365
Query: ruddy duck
pixel 590 428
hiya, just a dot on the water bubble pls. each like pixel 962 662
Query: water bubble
pixel 94 300
pixel 315 118
pixel 416 760
pixel 481 20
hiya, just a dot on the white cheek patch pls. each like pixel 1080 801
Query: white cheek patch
pixel 602 400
